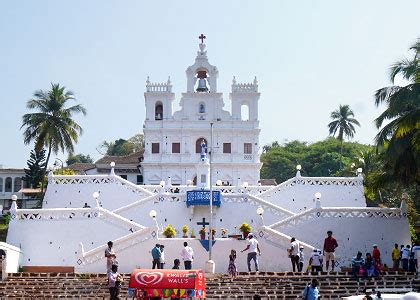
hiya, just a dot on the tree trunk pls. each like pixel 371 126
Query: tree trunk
pixel 341 154
pixel 45 170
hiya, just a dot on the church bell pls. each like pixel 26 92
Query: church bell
pixel 202 82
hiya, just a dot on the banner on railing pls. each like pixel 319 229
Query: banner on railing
pixel 202 197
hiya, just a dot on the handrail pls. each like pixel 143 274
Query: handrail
pixel 340 212
pixel 268 233
pixel 120 244
pixel 134 204
pixel 71 213
pixel 96 179
pixel 264 203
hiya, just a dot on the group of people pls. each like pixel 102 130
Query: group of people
pixel 115 279
pixel 405 257
pixel 369 266
pixel 316 260
pixel 158 257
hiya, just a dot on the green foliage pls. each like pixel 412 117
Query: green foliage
pixel 322 158
pixel 78 158
pixel 185 229
pixel 169 231
pixel 399 124
pixel 245 227
pixel 51 124
pixel 64 172
pixel 192 233
pixel 36 165
pixel 122 147
pixel 343 122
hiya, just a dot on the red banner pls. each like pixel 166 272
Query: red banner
pixel 167 279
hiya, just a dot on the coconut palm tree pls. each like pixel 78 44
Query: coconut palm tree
pixel 399 123
pixel 343 123
pixel 51 125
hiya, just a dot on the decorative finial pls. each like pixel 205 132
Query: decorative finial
pixel 169 80
pixel 148 80
pixel 202 37
pixel 234 80
pixel 255 80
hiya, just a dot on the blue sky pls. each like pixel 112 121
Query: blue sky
pixel 309 57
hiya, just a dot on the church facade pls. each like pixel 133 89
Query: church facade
pixel 173 139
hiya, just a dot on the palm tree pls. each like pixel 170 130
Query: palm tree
pixel 399 123
pixel 52 125
pixel 343 123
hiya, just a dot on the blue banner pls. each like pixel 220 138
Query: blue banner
pixel 202 197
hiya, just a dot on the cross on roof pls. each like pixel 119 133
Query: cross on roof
pixel 202 37
pixel 203 223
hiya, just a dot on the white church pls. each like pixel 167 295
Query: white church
pixel 81 213
pixel 172 139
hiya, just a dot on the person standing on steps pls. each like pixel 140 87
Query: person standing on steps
pixel 156 254
pixel 115 281
pixel 330 244
pixel 110 257
pixel 232 270
pixel 395 258
pixel 187 255
pixel 162 256
pixel 301 259
pixel 294 254
pixel 253 250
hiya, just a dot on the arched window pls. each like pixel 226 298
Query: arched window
pixel 1 185
pixel 158 111
pixel 18 184
pixel 244 112
pixel 201 108
pixel 198 145
pixel 8 185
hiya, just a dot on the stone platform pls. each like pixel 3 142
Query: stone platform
pixel 268 285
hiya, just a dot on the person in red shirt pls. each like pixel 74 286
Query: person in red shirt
pixel 376 254
pixel 330 244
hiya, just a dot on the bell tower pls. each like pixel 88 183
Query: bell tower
pixel 201 76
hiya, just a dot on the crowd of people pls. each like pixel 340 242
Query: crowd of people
pixel 368 266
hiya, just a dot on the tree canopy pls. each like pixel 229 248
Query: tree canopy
pixel 121 147
pixel 78 158
pixel 322 158
pixel 51 124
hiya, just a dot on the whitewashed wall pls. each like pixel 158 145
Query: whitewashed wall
pixel 51 236
pixel 355 230
pixel 13 257
pixel 298 194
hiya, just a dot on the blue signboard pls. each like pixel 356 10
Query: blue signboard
pixel 202 197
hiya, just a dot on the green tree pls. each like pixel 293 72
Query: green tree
pixel 78 158
pixel 399 124
pixel 51 125
pixel 322 158
pixel 36 165
pixel 121 147
pixel 343 123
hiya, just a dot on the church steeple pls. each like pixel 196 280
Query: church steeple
pixel 202 71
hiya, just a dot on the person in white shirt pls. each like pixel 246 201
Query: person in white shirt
pixel 187 255
pixel 301 258
pixel 294 254
pixel 110 257
pixel 315 261
pixel 414 249
pixel 253 248
pixel 405 256
pixel 162 256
